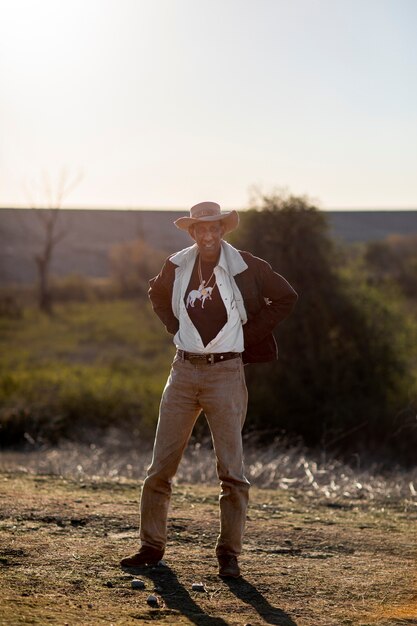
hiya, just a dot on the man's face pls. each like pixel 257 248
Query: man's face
pixel 208 236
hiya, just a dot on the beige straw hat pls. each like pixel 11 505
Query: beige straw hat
pixel 208 212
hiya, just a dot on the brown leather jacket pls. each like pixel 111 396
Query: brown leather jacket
pixel 268 299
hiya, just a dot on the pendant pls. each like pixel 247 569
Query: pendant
pixel 202 293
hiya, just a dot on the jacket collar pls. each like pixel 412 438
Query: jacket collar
pixel 229 258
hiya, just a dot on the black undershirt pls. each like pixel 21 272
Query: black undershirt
pixel 210 317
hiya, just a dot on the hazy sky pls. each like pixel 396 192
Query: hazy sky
pixel 164 103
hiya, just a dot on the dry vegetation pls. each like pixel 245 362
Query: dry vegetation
pixel 274 466
pixel 327 546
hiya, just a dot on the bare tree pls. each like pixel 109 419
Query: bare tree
pixel 53 228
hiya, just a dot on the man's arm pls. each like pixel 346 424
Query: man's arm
pixel 279 299
pixel 160 294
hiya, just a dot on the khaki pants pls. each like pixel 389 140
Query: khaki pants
pixel 220 391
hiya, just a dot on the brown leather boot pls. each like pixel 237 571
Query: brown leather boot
pixel 228 566
pixel 145 556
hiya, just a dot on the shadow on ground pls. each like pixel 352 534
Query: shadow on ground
pixel 176 597
pixel 250 595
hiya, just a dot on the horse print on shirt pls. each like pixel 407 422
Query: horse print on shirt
pixel 202 293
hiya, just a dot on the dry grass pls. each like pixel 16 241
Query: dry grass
pixel 324 546
pixel 269 467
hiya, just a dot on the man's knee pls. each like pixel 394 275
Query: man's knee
pixel 158 483
pixel 234 485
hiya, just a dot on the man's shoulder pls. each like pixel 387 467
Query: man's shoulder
pixel 182 256
pixel 253 261
pixel 174 259
pixel 248 256
pixel 171 263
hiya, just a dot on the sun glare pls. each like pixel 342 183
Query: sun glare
pixel 37 37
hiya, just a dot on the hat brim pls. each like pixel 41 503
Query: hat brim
pixel 230 221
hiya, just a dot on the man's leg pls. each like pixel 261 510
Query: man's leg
pixel 224 403
pixel 179 410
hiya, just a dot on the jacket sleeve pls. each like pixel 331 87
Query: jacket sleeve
pixel 276 299
pixel 160 295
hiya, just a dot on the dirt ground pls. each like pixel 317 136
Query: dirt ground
pixel 307 561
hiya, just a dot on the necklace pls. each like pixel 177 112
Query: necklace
pixel 204 284
pixel 203 293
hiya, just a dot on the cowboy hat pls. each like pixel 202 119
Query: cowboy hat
pixel 208 212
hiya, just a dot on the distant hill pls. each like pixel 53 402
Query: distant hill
pixel 91 233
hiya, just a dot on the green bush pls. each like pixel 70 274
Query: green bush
pixel 393 261
pixel 344 379
pixel 89 367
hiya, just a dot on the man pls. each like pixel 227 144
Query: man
pixel 221 305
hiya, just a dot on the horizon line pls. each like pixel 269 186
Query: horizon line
pixel 176 209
